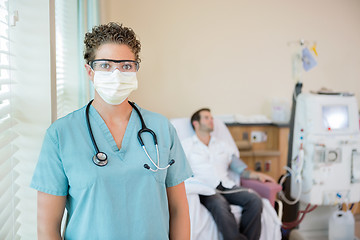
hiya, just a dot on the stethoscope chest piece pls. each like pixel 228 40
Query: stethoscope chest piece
pixel 100 159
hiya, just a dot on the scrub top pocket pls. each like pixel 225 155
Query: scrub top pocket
pixel 160 175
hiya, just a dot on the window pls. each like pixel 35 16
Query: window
pixel 67 61
pixel 25 111
pixel 8 188
pixel 26 92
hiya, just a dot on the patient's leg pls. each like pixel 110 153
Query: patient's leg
pixel 250 223
pixel 219 208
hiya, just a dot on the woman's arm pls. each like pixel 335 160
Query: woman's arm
pixel 49 214
pixel 179 212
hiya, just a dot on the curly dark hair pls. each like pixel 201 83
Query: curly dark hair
pixel 110 33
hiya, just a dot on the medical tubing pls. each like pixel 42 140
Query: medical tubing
pixel 280 209
pixel 143 130
pixel 143 126
pixel 89 127
pixel 150 168
pixel 289 225
pixel 306 212
pixel 293 224
pixel 157 166
pixel 281 193
pixel 147 154
pixel 232 191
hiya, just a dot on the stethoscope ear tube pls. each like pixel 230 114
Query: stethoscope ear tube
pixel 146 166
pixel 141 131
pixel 100 158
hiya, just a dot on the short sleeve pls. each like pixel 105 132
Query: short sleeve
pixel 180 170
pixel 49 176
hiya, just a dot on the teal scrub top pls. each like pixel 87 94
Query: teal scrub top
pixel 121 200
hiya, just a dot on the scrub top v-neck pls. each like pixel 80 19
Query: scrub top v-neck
pixel 122 199
pixel 100 123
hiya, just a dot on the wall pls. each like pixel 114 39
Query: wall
pixel 234 55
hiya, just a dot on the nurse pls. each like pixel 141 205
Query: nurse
pixel 123 199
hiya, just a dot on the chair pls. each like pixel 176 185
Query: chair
pixel 203 226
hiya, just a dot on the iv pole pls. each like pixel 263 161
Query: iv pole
pixel 290 211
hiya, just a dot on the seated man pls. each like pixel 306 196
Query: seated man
pixel 210 160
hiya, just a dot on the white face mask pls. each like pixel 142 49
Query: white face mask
pixel 114 87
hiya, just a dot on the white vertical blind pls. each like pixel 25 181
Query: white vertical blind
pixel 67 62
pixel 31 104
pixel 25 98
pixel 8 202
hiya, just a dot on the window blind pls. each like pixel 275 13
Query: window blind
pixel 30 106
pixel 67 62
pixel 25 98
pixel 8 189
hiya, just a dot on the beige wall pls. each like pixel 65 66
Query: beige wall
pixel 233 55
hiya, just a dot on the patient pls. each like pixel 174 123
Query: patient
pixel 210 160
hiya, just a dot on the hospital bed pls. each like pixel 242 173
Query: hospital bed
pixel 203 226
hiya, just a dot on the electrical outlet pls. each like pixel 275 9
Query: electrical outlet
pixel 258 136
pixel 258 166
pixel 245 136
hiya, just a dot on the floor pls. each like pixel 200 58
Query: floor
pixel 296 235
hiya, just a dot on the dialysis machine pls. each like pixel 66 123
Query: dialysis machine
pixel 325 161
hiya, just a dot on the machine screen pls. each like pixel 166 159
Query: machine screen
pixel 335 117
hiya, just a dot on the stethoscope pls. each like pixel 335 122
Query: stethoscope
pixel 100 158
